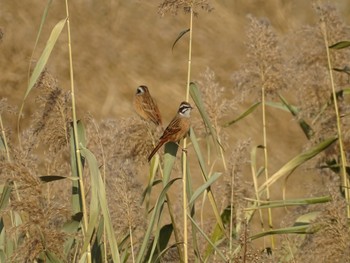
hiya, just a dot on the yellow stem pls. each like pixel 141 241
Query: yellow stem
pixel 266 154
pixel 184 154
pixel 341 146
pixel 75 131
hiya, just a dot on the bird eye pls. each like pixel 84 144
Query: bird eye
pixel 140 90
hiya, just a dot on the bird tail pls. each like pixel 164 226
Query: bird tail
pixel 160 144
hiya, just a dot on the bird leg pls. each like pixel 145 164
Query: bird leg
pixel 182 149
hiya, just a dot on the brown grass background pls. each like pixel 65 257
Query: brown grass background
pixel 118 45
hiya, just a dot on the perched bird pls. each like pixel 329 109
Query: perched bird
pixel 146 107
pixel 177 128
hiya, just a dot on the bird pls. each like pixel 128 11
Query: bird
pixel 146 107
pixel 177 128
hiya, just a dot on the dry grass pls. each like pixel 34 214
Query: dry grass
pixel 114 51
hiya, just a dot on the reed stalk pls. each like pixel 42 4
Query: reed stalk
pixel 75 132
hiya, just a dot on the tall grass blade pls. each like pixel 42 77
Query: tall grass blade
pixel 306 219
pixel 302 123
pixel 73 226
pixel 340 45
pixel 297 161
pixel 218 234
pixel 205 176
pixel 290 202
pixel 40 65
pixel 158 259
pixel 345 70
pixel 42 22
pixel 5 195
pixel 147 191
pixel 199 154
pixel 169 160
pixel 7 245
pixel 192 209
pixel 97 181
pixel 162 242
pixel 2 144
pixel 196 96
pixel 181 34
pixel 83 258
pixel 243 115
pixel 154 219
pixel 170 150
pixel 304 229
pixel 76 195
pixel 94 207
pixel 204 187
pixel 208 240
pixel 152 173
pixel 3 241
pixel 52 178
pixel 97 250
pixel 339 95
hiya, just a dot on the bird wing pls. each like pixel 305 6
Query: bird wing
pixel 173 128
pixel 152 112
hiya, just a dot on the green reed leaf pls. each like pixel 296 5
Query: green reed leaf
pixel 340 45
pixel 76 194
pixel 40 65
pixel 146 196
pixel 306 219
pixel 217 233
pixel 170 150
pixel 3 241
pixel 282 106
pixel 345 69
pixel 7 245
pixel 158 259
pixel 162 242
pixel 100 192
pixel 73 224
pixel 94 205
pixel 52 178
pixel 196 96
pixel 290 202
pixel 154 220
pixel 83 258
pixel 98 247
pixel 204 187
pixel 5 195
pixel 199 154
pixel 304 229
pixel 297 161
pixel 147 191
pixel 71 227
pixel 2 144
pixel 181 34
pixel 217 250
pixel 339 95
pixel 42 22
pixel 243 115
pixel 302 123
pixel 192 211
pixel 204 173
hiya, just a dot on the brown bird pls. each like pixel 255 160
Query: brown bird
pixel 146 107
pixel 177 128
